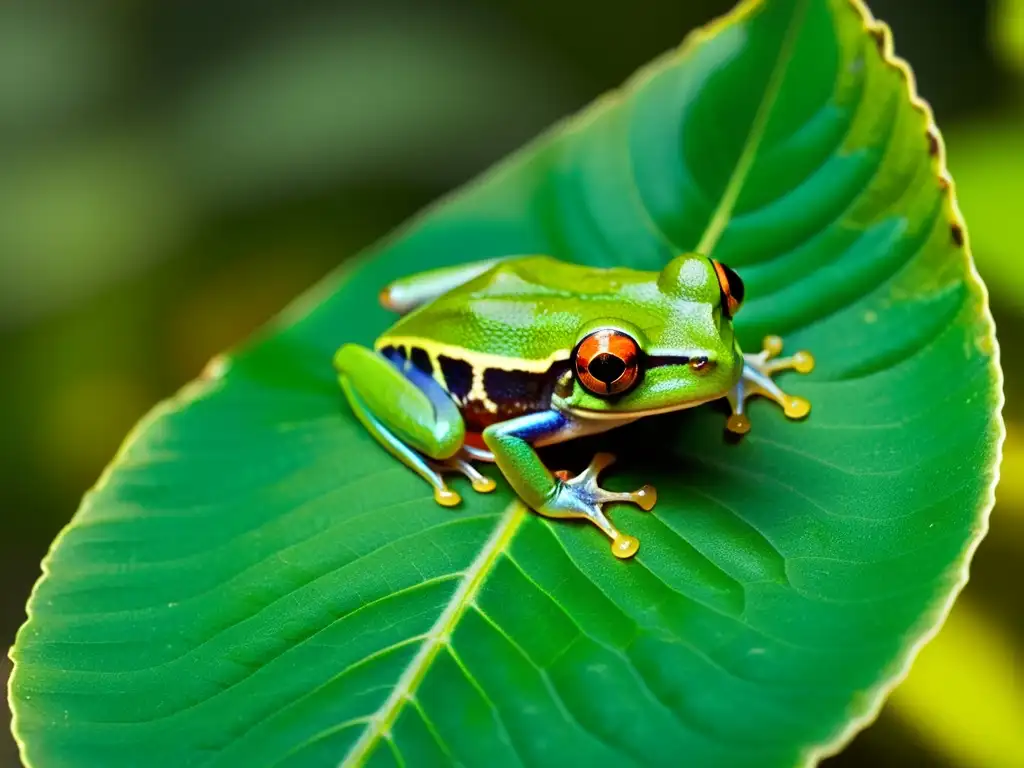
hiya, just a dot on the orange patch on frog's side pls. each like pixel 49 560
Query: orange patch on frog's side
pixel 479 417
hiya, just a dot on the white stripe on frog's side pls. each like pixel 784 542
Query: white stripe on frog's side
pixel 479 360
pixel 477 392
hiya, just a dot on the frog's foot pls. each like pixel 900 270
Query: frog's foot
pixel 444 495
pixel 758 370
pixel 582 497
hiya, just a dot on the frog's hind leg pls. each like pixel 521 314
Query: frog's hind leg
pixel 407 293
pixel 410 415
pixel 443 495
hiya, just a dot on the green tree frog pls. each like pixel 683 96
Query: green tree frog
pixel 494 359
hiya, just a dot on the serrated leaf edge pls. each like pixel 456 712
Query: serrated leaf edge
pixel 876 697
pixel 504 532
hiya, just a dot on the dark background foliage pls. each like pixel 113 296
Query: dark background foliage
pixel 174 173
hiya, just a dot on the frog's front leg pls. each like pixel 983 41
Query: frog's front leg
pixel 410 415
pixel 758 370
pixel 559 496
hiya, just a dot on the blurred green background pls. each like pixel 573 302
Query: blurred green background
pixel 172 174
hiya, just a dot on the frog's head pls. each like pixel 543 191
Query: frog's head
pixel 681 352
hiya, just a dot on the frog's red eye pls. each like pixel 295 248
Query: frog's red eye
pixel 732 288
pixel 607 362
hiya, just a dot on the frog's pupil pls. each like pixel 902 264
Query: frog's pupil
pixel 606 367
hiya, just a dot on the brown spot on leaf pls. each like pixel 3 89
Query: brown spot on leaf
pixel 933 143
pixel 958 234
pixel 878 35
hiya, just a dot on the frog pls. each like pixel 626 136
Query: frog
pixel 490 361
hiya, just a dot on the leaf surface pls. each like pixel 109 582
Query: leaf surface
pixel 255 582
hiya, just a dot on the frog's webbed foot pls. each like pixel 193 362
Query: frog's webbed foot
pixel 444 495
pixel 758 370
pixel 582 497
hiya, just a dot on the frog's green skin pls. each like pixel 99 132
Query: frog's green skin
pixel 481 367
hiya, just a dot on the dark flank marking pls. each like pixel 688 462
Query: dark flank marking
pixel 458 376
pixel 510 388
pixel 478 417
pixel 943 183
pixel 958 234
pixel 515 393
pixel 395 354
pixel 421 360
pixel 933 144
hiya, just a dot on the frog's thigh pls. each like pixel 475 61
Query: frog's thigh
pixel 443 495
pixel 410 406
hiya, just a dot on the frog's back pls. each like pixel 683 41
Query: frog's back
pixel 527 308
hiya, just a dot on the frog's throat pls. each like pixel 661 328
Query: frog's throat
pixel 625 414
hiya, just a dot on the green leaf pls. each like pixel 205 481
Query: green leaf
pixel 255 582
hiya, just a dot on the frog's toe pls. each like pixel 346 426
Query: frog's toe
pixel 483 484
pixel 586 484
pixel 769 362
pixel 644 497
pixel 480 482
pixel 757 380
pixel 582 497
pixel 446 497
pixel 738 423
pixel 625 546
pixel 796 407
pixel 803 361
pixel 771 346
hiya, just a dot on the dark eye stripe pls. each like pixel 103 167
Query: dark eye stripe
pixel 656 362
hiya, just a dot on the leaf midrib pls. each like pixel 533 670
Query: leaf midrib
pixel 439 634
pixel 381 721
pixel 723 212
